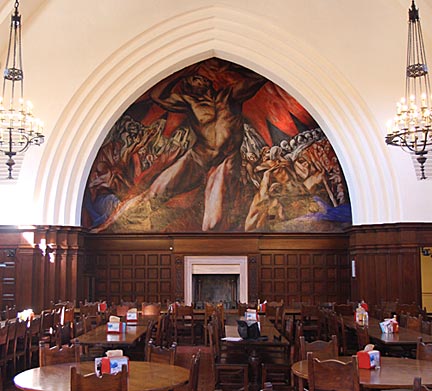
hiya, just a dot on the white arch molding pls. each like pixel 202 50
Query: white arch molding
pixel 237 36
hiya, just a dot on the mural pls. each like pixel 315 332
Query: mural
pixel 216 147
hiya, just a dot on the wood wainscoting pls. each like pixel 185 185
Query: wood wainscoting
pixel 309 268
pixel 294 267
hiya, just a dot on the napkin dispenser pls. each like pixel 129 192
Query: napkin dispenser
pixel 114 326
pixel 368 358
pixel 111 364
pixel 132 316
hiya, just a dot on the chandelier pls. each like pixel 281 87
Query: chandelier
pixel 19 129
pixel 411 128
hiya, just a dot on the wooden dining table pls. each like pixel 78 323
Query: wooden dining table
pixel 100 336
pixel 143 376
pixel 394 372
pixel 405 339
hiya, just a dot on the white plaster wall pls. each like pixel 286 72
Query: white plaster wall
pixel 86 61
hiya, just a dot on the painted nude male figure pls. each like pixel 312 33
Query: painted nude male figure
pixel 215 116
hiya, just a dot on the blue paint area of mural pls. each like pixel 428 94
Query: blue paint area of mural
pixel 216 147
pixel 340 213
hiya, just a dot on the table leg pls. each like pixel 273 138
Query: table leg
pixel 255 365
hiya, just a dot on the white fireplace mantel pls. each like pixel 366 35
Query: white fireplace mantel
pixel 215 265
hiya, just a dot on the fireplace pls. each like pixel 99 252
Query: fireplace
pixel 215 288
pixel 228 270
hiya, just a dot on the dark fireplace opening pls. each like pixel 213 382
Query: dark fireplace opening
pixel 215 288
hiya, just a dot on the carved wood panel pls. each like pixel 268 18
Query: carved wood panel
pixel 305 277
pixel 141 277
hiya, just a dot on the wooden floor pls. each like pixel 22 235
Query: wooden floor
pixel 184 354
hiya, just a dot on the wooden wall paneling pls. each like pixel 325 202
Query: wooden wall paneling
pixel 114 275
pixel 320 285
pixel 126 278
pixel 9 276
pixel 279 282
pixel 312 278
pixel 179 277
pixel 254 289
pixel 344 276
pixel 293 279
pixel 266 290
pixel 305 272
pixel 23 284
pixel 140 277
pixel 102 286
pixel 408 264
pixel 388 257
pixel 166 288
pixel 134 277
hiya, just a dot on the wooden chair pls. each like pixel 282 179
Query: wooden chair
pixel 64 334
pixel 209 310
pixel 343 309
pixel 321 349
pixel 88 323
pixel 297 334
pixel 270 309
pixel 230 371
pixel 242 308
pixel 403 320
pixel 3 348
pixel 11 312
pixel 121 310
pixel 423 351
pixel 47 327
pixel 58 354
pixel 333 326
pixel 161 354
pixel 68 315
pixel 332 375
pixel 129 304
pixel 165 330
pixel 278 374
pixel 20 345
pixel 184 323
pixel 90 310
pixel 78 327
pixel 417 386
pixel 426 327
pixel 231 376
pixel 34 335
pixel 58 317
pixel 194 371
pixel 309 316
pixel 151 310
pixel 409 309
pixel 288 329
pixel 10 355
pixel 278 318
pixel 414 323
pixel 363 338
pixel 220 315
pixel 91 382
pixel 153 326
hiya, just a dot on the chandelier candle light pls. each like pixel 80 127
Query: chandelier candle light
pixel 18 127
pixel 411 128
